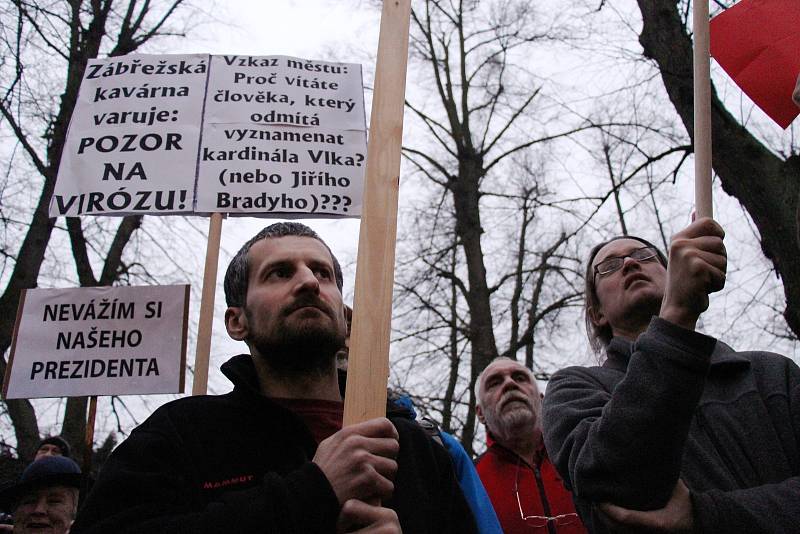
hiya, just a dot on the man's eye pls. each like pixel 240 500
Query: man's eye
pixel 279 273
pixel 610 264
pixel 323 274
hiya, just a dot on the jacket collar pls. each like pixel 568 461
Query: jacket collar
pixel 619 353
pixel 493 444
pixel 241 371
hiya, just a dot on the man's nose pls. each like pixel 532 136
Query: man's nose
pixel 41 505
pixel 628 263
pixel 307 280
pixel 509 383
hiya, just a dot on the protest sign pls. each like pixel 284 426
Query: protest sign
pixel 98 341
pixel 279 135
pixel 282 135
pixel 133 139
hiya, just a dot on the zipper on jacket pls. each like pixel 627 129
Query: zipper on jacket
pixel 551 527
pixel 701 421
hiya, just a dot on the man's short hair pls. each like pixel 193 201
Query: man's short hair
pixel 238 272
pixel 498 359
pixel 600 336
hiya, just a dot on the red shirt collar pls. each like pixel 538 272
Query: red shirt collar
pixel 538 455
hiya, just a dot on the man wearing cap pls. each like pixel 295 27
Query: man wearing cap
pixel 526 492
pixel 46 497
pixel 272 456
pixel 52 446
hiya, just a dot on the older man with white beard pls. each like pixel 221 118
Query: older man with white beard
pixel 525 489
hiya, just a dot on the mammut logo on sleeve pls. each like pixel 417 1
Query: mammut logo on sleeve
pixel 233 481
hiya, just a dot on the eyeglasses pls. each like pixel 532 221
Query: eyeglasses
pixel 614 263
pixel 540 521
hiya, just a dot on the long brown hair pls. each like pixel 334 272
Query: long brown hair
pixel 600 336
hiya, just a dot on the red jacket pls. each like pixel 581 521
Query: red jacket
pixel 541 492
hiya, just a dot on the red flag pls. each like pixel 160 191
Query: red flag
pixel 757 42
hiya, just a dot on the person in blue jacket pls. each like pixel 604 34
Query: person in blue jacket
pixel 467 476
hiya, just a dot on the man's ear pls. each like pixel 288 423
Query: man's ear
pixel 236 323
pixel 597 316
pixel 479 413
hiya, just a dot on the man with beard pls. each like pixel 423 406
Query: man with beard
pixel 526 492
pixel 272 456
pixel 675 431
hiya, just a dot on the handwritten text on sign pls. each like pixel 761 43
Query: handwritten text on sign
pixel 99 341
pixel 279 135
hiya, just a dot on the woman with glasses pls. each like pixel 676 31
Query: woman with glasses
pixel 675 431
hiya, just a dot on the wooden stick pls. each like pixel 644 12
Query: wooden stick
pixel 87 452
pixel 202 355
pixel 702 111
pixel 368 365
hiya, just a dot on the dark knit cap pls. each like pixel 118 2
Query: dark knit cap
pixel 44 472
pixel 59 442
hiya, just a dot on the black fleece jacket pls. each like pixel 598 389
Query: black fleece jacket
pixel 240 463
pixel 678 404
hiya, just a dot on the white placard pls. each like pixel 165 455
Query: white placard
pixel 98 341
pixel 280 135
pixel 133 139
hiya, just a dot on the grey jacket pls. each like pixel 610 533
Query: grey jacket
pixel 679 404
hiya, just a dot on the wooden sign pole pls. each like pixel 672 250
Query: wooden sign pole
pixel 89 441
pixel 203 353
pixel 702 111
pixel 368 365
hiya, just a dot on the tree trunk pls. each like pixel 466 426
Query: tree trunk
pixel 466 200
pixel 24 276
pixel 455 358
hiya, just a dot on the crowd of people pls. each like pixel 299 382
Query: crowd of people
pixel 674 432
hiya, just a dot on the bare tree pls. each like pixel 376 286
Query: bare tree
pixel 46 45
pixel 469 293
